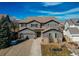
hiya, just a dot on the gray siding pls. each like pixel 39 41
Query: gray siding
pixel 50 24
pixel 22 25
pixel 29 25
pixel 53 33
pixel 27 32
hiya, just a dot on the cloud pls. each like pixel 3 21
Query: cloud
pixel 52 3
pixel 58 13
pixel 70 16
pixel 65 17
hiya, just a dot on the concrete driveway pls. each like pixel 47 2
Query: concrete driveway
pixel 22 49
pixel 30 47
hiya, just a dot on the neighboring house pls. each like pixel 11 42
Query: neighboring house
pixel 73 34
pixel 71 23
pixel 53 33
pixel 71 29
pixel 26 33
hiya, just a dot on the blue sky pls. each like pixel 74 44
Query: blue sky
pixel 61 10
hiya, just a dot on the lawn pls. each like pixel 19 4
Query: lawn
pixel 54 50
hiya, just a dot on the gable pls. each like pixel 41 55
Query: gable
pixel 26 29
pixel 33 21
pixel 52 30
pixel 52 21
pixel 33 24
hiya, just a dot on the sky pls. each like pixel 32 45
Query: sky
pixel 21 10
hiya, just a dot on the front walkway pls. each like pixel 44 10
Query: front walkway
pixel 36 47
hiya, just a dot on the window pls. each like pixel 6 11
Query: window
pixel 55 35
pixel 48 24
pixel 25 25
pixel 21 35
pixel 31 25
pixel 34 25
pixel 78 21
pixel 22 25
pixel 50 38
pixel 49 34
pixel 27 37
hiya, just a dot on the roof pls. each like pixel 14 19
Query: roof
pixel 61 23
pixel 73 21
pixel 39 19
pixel 25 29
pixel 2 15
pixel 74 30
pixel 70 22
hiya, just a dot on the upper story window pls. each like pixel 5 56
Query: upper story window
pixel 22 25
pixel 48 24
pixel 34 25
pixel 21 35
pixel 55 35
pixel 25 25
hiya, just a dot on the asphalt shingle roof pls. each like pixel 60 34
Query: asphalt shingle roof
pixel 74 30
pixel 39 19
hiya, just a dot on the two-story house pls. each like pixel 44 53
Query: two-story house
pixel 39 24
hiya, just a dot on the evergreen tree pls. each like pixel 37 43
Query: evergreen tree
pixel 4 32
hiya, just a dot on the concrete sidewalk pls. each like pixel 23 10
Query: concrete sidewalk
pixel 36 47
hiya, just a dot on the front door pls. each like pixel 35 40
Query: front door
pixel 38 34
pixel 27 37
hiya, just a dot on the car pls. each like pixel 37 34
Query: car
pixel 14 42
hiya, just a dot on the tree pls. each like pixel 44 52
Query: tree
pixel 4 32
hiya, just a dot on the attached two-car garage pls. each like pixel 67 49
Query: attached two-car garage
pixel 26 33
